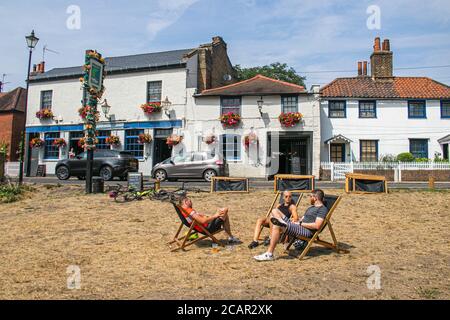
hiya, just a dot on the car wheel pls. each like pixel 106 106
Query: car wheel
pixel 209 175
pixel 160 175
pixel 63 173
pixel 106 173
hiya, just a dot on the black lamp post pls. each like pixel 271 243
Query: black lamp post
pixel 32 41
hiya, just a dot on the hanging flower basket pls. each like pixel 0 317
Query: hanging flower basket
pixel 250 139
pixel 210 139
pixel 290 119
pixel 150 108
pixel 145 138
pixel 113 141
pixel 85 111
pixel 44 114
pixel 230 119
pixel 174 140
pixel 37 143
pixel 82 143
pixel 60 143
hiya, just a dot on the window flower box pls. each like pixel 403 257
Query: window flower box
pixel 37 143
pixel 230 119
pixel 60 143
pixel 152 107
pixel 44 114
pixel 291 119
pixel 145 138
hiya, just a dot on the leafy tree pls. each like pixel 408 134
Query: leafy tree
pixel 277 70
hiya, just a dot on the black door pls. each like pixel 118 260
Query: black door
pixel 293 156
pixel 161 151
pixel 337 152
pixel 446 152
pixel 32 160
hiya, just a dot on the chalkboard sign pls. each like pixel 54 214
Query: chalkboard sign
pixel 41 170
pixel 229 185
pixel 136 181
pixel 294 182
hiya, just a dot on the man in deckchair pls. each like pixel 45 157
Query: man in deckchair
pixel 288 210
pixel 211 223
pixel 310 222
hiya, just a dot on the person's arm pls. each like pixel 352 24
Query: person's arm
pixel 294 214
pixel 314 226
pixel 202 219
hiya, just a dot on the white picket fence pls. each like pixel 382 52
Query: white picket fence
pixel 12 169
pixel 339 170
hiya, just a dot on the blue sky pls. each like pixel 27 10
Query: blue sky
pixel 310 35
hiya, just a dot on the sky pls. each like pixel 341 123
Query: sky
pixel 315 37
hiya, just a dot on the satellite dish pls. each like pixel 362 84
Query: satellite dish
pixel 227 77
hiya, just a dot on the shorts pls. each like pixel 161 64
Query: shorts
pixel 215 225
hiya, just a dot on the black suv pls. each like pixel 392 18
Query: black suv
pixel 107 164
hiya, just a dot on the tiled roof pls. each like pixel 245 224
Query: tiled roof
pixel 393 88
pixel 259 85
pixel 14 100
pixel 123 64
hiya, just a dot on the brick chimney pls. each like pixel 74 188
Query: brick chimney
pixel 214 65
pixel 381 60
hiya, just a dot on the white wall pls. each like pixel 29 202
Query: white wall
pixel 124 92
pixel 391 127
pixel 203 119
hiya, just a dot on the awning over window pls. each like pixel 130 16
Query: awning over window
pixel 444 140
pixel 338 139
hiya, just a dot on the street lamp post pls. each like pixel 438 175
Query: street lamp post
pixel 32 41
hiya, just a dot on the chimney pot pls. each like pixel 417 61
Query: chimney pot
pixel 377 45
pixel 34 67
pixel 359 68
pixel 43 66
pixel 365 68
pixel 386 45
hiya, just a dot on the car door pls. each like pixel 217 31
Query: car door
pixel 77 166
pixel 179 167
pixel 196 167
pixel 99 159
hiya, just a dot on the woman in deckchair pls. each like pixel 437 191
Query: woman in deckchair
pixel 287 209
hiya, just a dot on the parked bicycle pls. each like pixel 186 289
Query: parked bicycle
pixel 122 194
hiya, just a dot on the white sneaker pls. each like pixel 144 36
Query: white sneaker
pixel 265 257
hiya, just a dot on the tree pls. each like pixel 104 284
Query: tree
pixel 277 70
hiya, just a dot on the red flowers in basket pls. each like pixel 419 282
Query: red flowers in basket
pixel 151 107
pixel 249 139
pixel 37 143
pixel 145 138
pixel 290 119
pixel 44 114
pixel 113 140
pixel 210 139
pixel 60 143
pixel 230 119
pixel 174 140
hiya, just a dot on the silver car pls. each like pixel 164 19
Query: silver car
pixel 201 165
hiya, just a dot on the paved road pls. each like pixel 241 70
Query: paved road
pixel 254 183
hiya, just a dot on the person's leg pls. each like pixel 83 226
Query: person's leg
pixel 274 238
pixel 259 223
pixel 226 223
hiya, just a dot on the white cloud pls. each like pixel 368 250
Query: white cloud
pixel 167 13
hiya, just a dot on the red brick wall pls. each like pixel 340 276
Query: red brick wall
pixel 11 126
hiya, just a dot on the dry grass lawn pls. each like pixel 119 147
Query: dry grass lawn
pixel 122 254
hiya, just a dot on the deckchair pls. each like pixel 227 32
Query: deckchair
pixel 297 196
pixel 331 202
pixel 184 241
